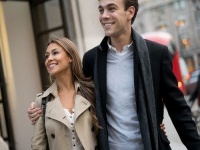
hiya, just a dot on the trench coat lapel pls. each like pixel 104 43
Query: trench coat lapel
pixel 81 104
pixel 55 111
pixel 54 108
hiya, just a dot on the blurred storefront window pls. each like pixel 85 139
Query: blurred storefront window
pixel 49 19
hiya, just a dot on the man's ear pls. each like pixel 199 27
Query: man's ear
pixel 131 12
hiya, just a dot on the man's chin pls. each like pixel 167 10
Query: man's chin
pixel 108 34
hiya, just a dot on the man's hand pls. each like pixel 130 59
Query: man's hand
pixel 34 113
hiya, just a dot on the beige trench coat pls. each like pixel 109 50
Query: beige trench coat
pixel 57 126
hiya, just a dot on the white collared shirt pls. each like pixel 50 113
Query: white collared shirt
pixel 76 144
pixel 124 51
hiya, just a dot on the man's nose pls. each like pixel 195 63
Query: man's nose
pixel 105 14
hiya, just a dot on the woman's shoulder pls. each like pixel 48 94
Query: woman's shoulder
pixel 38 99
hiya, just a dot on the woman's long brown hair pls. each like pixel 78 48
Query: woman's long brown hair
pixel 86 84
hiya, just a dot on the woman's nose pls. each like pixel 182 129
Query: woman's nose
pixel 50 57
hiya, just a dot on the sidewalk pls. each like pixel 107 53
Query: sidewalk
pixel 172 134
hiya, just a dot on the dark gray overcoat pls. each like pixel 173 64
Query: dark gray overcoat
pixel 155 85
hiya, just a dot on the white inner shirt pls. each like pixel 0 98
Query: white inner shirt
pixel 76 144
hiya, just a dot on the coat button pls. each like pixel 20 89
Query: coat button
pixel 53 136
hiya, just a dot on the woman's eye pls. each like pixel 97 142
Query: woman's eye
pixel 55 52
pixel 46 56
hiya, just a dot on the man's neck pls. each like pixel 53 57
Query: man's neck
pixel 120 41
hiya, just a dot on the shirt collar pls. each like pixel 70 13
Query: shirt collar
pixel 125 48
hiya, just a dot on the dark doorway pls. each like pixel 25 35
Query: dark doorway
pixel 6 130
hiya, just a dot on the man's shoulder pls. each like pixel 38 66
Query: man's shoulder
pixel 152 44
pixel 90 54
pixel 156 50
pixel 91 51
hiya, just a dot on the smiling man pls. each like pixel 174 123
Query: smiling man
pixel 133 79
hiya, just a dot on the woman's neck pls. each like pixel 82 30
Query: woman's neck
pixel 65 84
pixel 66 92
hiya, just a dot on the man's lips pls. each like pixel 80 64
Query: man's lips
pixel 107 25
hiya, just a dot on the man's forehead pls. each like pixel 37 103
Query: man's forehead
pixel 103 3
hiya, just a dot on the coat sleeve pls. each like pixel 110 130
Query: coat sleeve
pixel 179 111
pixel 38 141
pixel 88 63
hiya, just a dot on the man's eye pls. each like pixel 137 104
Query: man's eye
pixel 100 10
pixel 112 8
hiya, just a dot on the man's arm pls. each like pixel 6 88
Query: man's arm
pixel 178 110
pixel 34 113
pixel 88 63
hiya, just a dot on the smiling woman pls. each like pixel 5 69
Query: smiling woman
pixel 70 107
pixel 57 60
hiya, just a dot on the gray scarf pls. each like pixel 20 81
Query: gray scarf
pixel 145 96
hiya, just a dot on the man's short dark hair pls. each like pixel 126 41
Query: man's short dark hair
pixel 134 3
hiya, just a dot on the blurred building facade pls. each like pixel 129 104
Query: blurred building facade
pixel 26 26
pixel 181 18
